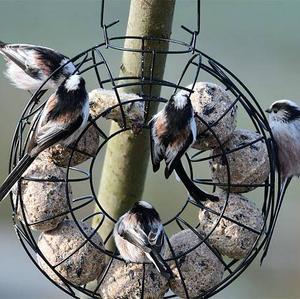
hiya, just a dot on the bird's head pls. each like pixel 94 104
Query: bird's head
pixel 72 90
pixel 69 67
pixel 180 100
pixel 74 82
pixel 283 111
pixel 143 204
pixel 145 210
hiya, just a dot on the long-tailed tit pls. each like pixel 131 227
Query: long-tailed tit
pixel 284 121
pixel 172 131
pixel 62 120
pixel 28 66
pixel 139 237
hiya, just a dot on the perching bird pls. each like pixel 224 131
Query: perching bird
pixel 61 121
pixel 28 66
pixel 139 237
pixel 284 121
pixel 172 131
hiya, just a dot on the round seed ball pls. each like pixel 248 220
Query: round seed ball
pixel 87 262
pixel 125 281
pixel 211 101
pixel 201 268
pixel 228 237
pixel 43 201
pixel 87 146
pixel 248 166
pixel 103 100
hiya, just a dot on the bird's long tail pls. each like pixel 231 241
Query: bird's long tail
pixel 15 175
pixel 159 263
pixel 197 194
pixel 283 189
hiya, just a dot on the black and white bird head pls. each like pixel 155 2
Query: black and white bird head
pixel 180 100
pixel 72 86
pixel 284 120
pixel 283 112
pixel 144 212
pixel 74 82
pixel 139 236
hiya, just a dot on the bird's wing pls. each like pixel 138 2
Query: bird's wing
pixel 51 130
pixel 157 128
pixel 148 238
pixel 133 236
pixel 156 236
pixel 150 243
pixel 53 133
pixel 176 149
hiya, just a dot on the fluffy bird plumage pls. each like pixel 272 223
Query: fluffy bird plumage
pixel 284 121
pixel 139 237
pixel 62 120
pixel 172 131
pixel 28 66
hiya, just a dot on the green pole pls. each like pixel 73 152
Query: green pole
pixel 127 156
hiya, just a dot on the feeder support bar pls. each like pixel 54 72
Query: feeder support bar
pixel 127 156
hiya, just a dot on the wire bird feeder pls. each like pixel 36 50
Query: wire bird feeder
pixel 205 241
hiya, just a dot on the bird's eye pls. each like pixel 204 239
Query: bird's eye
pixel 275 110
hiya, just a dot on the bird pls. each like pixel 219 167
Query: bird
pixel 62 120
pixel 284 122
pixel 172 131
pixel 139 237
pixel 28 66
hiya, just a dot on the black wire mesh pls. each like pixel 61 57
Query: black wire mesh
pixel 94 62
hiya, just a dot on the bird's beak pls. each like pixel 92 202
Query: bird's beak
pixel 268 110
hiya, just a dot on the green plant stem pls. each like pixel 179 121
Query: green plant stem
pixel 127 156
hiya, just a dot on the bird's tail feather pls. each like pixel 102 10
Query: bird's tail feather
pixel 15 175
pixel 154 149
pixel 162 267
pixel 284 187
pixel 197 194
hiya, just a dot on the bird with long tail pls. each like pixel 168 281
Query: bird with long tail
pixel 172 131
pixel 139 236
pixel 62 120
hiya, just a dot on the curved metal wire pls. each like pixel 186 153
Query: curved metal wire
pixel 94 61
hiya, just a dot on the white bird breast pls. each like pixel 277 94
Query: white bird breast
pixel 287 137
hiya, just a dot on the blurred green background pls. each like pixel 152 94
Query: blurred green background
pixel 258 40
